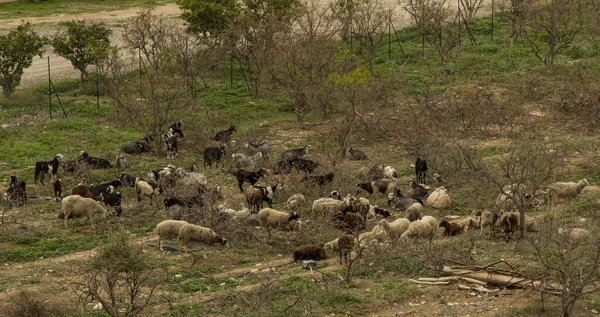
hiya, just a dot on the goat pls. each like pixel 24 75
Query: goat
pixel 383 186
pixel 416 190
pixel 213 154
pixel 42 168
pixel 175 128
pixel 262 147
pixel 250 177
pixel 58 189
pixel 94 162
pixel 110 198
pixel 171 146
pixel 304 165
pixel 127 180
pixel 293 154
pixel 102 188
pixel 356 155
pixel 224 135
pixel 421 170
pixel 16 193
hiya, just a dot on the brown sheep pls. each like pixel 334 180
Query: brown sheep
pixel 310 252
pixel 451 228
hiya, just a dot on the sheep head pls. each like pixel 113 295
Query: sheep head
pixel 293 216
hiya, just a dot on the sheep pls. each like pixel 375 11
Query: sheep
pixel 251 177
pixel 418 229
pixel 345 244
pixel 121 161
pixel 450 228
pixel 168 229
pixel 194 233
pixel 413 213
pixel 416 190
pixel 565 190
pixel 432 222
pixel 328 207
pixel 82 189
pixel 110 198
pixel 487 219
pixel 146 189
pixel 291 155
pixel 509 221
pixel 58 188
pixel 468 223
pixel 271 218
pixel 421 170
pixel 319 179
pixel 309 252
pixel 333 244
pixel 362 206
pixel 356 155
pixel 396 228
pixel 505 202
pixel 262 147
pixel 439 199
pixel 576 236
pixel 224 135
pixel 42 168
pixel 213 154
pixel 186 180
pixel 75 206
pixel 399 201
pixel 246 162
pixel 383 186
pixel 295 201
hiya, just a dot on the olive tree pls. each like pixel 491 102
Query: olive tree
pixel 17 49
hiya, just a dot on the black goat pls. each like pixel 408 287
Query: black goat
pixel 42 168
pixel 416 190
pixel 175 128
pixel 224 135
pixel 102 188
pixel 421 170
pixel 94 162
pixel 251 177
pixel 136 147
pixel 293 154
pixel 319 179
pixel 127 180
pixel 356 155
pixel 110 198
pixel 213 154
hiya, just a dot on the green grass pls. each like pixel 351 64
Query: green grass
pixel 22 9
pixel 29 237
pixel 52 248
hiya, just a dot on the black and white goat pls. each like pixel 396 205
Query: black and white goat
pixel 111 198
pixel 94 162
pixel 43 168
pixel 224 135
pixel 421 170
pixel 267 193
pixel 102 188
pixel 383 186
pixel 175 129
pixel 251 177
pixel 171 145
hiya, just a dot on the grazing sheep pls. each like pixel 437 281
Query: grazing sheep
pixel 246 162
pixel 75 206
pixel 439 199
pixel 309 252
pixel 565 190
pixel 356 155
pixel 487 219
pixel 399 202
pixel 168 229
pixel 329 207
pixel 295 201
pixel 413 213
pixel 213 154
pixel 58 188
pixel 382 186
pixel 576 235
pixel 431 221
pixel 421 170
pixel 396 228
pixel 333 244
pixel 224 136
pixel 418 229
pixel 43 168
pixel 82 189
pixel 251 177
pixel 194 233
pixel 262 147
pixel 450 228
pixel 146 189
pixel 416 190
pixel 345 245
pixel 293 154
pixel 271 218
pixel 509 221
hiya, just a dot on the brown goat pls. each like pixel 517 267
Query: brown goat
pixel 310 252
pixel 345 245
pixel 451 228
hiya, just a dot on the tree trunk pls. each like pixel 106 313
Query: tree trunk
pixel 81 81
pixel 567 306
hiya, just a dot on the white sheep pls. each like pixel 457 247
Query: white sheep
pixel 505 202
pixel 469 223
pixel 432 221
pixel 396 228
pixel 439 199
pixel 487 219
pixel 295 201
pixel 328 207
pixel 333 244
pixel 271 218
pixel 565 190
pixel 194 233
pixel 576 235
pixel 168 229
pixel 414 212
pixel 75 206
pixel 418 229
pixel 362 206
pixel 146 189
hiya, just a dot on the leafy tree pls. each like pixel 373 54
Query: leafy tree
pixel 82 43
pixel 208 17
pixel 17 50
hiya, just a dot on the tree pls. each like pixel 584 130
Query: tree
pixel 81 43
pixel 550 27
pixel 470 8
pixel 515 11
pixel 371 19
pixel 17 50
pixel 209 18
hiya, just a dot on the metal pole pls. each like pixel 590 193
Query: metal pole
pixel 97 92
pixel 492 36
pixel 390 36
pixel 49 88
pixel 140 71
pixel 230 71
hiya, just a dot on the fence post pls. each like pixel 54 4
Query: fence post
pixel 49 88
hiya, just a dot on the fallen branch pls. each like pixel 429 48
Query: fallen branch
pixel 428 283
pixel 494 278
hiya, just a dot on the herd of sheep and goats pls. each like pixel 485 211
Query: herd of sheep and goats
pixel 349 214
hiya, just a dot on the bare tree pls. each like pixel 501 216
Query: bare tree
pixel 515 11
pixel 550 27
pixel 470 8
pixel 370 19
pixel 146 32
